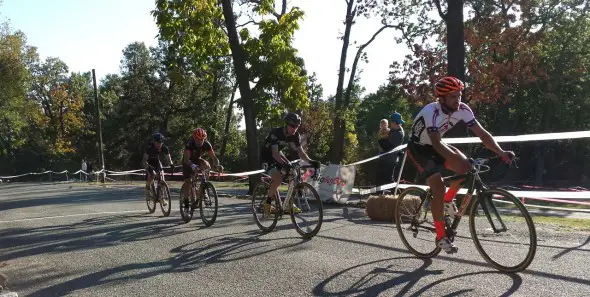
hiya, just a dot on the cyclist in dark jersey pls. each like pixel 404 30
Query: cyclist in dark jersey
pixel 151 159
pixel 192 157
pixel 277 164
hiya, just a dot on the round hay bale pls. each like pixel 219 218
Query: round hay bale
pixel 382 207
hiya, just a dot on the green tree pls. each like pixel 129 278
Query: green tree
pixel 16 112
pixel 205 30
pixel 61 103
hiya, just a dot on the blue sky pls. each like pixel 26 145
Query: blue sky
pixel 92 34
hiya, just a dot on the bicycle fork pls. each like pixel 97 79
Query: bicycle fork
pixel 489 208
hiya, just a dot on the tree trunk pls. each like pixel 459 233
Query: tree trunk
pixel 245 91
pixel 337 147
pixel 455 39
pixel 227 122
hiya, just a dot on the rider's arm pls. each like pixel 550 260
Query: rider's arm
pixel 187 158
pixel 486 138
pixel 277 155
pixel 440 147
pixel 302 154
pixel 214 157
pixel 144 162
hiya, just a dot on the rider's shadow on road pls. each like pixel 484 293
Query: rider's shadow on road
pixel 395 276
pixel 230 247
pixel 216 249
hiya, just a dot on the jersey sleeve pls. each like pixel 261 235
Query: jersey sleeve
pixel 467 115
pixel 430 116
pixel 273 138
pixel 189 146
pixel 207 147
pixel 296 139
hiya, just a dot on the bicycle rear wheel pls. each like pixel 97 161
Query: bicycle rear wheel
pixel 165 198
pixel 503 230
pixel 308 222
pixel 265 221
pixel 414 222
pixel 208 204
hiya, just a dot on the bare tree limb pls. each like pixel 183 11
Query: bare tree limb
pixel 356 61
pixel 440 12
pixel 246 23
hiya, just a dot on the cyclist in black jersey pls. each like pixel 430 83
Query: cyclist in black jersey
pixel 151 159
pixel 277 163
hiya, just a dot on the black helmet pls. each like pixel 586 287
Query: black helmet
pixel 293 119
pixel 158 137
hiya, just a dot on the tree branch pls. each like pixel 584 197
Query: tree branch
pixel 246 23
pixel 278 16
pixel 440 12
pixel 356 60
pixel 284 9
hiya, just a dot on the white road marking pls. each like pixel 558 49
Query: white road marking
pixel 73 215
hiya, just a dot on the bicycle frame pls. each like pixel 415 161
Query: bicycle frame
pixel 295 173
pixel 195 184
pixel 475 184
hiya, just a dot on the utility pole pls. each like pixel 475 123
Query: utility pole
pixel 99 127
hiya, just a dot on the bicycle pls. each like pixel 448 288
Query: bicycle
pixel 296 185
pixel 157 188
pixel 202 195
pixel 480 210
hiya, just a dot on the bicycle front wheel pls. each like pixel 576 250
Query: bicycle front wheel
pixel 307 210
pixel 165 199
pixel 186 204
pixel 503 230
pixel 265 219
pixel 208 204
pixel 415 223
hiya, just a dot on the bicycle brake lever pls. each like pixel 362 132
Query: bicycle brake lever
pixel 514 162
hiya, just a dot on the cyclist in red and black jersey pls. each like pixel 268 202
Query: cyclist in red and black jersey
pixel 194 149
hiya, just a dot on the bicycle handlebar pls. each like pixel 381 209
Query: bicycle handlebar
pixel 297 165
pixel 479 162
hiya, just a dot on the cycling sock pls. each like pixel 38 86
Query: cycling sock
pixel 451 194
pixel 440 229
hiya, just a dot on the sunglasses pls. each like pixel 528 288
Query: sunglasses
pixel 294 126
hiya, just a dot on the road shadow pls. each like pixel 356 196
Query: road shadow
pixel 186 258
pixel 97 232
pixel 457 260
pixel 572 249
pixel 376 277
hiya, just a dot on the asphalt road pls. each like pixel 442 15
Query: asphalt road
pixel 73 240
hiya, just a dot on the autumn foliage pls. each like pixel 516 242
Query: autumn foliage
pixel 502 55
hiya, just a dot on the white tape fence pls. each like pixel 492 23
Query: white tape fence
pixel 337 184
